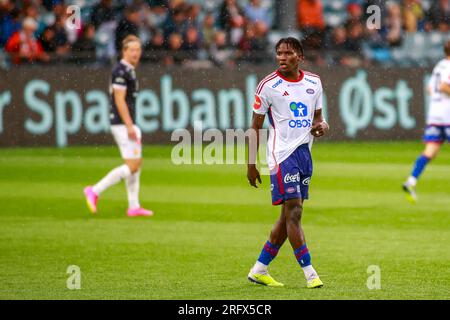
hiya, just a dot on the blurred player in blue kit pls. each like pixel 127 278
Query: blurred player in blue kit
pixel 437 129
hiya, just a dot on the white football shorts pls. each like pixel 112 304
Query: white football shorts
pixel 129 149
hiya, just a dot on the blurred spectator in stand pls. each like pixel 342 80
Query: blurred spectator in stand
pixel 157 14
pixel 102 12
pixel 354 28
pixel 23 45
pixel 50 4
pixel 155 51
pixel 191 44
pixel 84 47
pixel 208 30
pixel 439 15
pixel 221 54
pixel 311 22
pixel 32 11
pixel 310 16
pixel 355 14
pixel 175 55
pixel 260 43
pixel 62 42
pixel 353 45
pixel 232 21
pixel 193 16
pixel 355 36
pixel 158 4
pixel 128 25
pixel 247 42
pixel 255 12
pixel 176 22
pixel 338 49
pixel 48 40
pixel 413 16
pixel 375 47
pixel 9 21
pixel 392 28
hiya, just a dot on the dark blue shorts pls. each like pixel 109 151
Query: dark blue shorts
pixel 436 134
pixel 291 181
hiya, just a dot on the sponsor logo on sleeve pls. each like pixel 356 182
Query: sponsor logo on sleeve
pixel 257 103
pixel 277 83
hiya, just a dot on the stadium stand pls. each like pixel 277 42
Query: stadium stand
pixel 190 32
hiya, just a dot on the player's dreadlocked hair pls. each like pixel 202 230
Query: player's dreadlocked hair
pixel 447 48
pixel 294 43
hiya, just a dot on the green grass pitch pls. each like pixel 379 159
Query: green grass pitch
pixel 209 227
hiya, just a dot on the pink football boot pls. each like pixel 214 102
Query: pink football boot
pixel 91 199
pixel 136 212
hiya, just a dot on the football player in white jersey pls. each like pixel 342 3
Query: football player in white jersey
pixel 292 100
pixel 438 122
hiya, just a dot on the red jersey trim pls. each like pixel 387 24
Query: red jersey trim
pixel 300 78
pixel 264 82
pixel 311 74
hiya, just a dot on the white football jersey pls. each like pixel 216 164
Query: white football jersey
pixel 290 106
pixel 439 111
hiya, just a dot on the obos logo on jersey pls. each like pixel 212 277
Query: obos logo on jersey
pixel 299 110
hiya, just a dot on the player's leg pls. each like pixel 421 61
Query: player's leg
pixel 278 236
pixel 113 177
pixel 133 159
pixel 259 273
pixel 434 137
pixel 297 191
pixel 131 153
pixel 294 210
pixel 132 184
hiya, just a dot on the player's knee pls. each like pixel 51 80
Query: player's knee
pixel 294 213
pixel 431 155
pixel 134 166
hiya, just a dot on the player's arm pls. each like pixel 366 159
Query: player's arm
pixel 320 126
pixel 253 146
pixel 122 108
pixel 445 88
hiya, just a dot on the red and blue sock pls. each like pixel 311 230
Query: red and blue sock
pixel 268 253
pixel 303 256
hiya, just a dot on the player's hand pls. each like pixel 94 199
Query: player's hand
pixel 132 133
pixel 319 129
pixel 253 175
